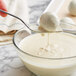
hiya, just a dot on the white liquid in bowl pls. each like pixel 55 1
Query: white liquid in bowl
pixel 52 45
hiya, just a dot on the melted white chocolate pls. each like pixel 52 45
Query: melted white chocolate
pixel 59 45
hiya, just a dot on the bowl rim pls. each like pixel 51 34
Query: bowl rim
pixel 69 57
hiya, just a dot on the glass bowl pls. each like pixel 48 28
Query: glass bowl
pixel 42 66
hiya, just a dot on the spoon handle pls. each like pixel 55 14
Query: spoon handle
pixel 16 18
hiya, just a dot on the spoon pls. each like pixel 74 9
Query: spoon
pixel 32 31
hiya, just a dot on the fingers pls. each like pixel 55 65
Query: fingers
pixel 3 7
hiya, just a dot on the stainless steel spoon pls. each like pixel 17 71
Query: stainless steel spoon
pixel 38 31
pixel 32 31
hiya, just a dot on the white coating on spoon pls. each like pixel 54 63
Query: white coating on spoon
pixel 50 22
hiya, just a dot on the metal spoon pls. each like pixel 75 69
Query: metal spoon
pixel 38 31
pixel 32 31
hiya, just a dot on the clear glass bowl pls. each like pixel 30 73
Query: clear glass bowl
pixel 37 64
